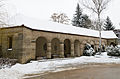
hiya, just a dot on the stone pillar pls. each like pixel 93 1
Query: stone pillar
pixel 81 49
pixel 79 53
pixel 33 52
pixel 62 50
pixel 72 49
pixel 96 48
pixel 49 50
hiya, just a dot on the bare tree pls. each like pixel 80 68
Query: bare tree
pixel 54 17
pixel 3 14
pixel 94 24
pixel 97 6
pixel 60 18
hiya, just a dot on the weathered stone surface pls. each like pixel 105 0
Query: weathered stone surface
pixel 26 44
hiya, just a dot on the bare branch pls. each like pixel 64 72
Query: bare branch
pixel 60 18
pixel 97 6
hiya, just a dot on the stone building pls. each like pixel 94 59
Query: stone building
pixel 27 43
pixel 117 32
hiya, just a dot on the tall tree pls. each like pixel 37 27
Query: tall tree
pixel 77 17
pixel 80 19
pixel 108 24
pixel 85 21
pixel 97 6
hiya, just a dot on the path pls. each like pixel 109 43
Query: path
pixel 90 72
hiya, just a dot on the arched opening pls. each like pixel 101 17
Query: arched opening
pixel 67 48
pixel 92 46
pixel 77 48
pixel 112 43
pixel 103 48
pixel 41 47
pixel 83 47
pixel 55 48
pixel 92 43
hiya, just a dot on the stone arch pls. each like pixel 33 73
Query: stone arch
pixel 103 47
pixel 88 41
pixel 112 43
pixel 41 47
pixel 77 48
pixel 82 46
pixel 92 44
pixel 67 48
pixel 96 45
pixel 55 47
pixel 84 43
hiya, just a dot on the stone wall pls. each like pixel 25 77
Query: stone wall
pixel 27 44
pixel 30 49
pixel 17 40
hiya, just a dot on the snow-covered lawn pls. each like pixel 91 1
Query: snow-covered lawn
pixel 19 70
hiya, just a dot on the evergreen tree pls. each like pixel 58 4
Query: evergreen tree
pixel 77 16
pixel 85 21
pixel 81 20
pixel 108 24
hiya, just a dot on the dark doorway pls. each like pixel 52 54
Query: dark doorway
pixel 67 48
pixel 41 47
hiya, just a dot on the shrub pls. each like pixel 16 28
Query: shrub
pixel 113 50
pixel 88 50
pixel 6 62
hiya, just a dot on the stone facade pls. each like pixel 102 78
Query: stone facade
pixel 117 32
pixel 28 44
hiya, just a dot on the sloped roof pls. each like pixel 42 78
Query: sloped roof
pixel 57 27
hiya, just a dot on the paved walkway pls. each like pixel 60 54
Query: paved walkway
pixel 111 71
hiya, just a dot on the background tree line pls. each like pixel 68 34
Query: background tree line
pixel 82 20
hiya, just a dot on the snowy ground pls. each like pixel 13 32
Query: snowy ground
pixel 19 70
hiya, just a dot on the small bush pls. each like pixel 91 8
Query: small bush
pixel 113 50
pixel 6 62
pixel 88 50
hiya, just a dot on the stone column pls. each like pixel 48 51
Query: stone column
pixel 81 49
pixel 79 53
pixel 33 51
pixel 49 50
pixel 62 50
pixel 72 49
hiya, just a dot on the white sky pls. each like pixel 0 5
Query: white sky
pixel 43 9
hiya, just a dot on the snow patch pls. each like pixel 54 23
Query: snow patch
pixel 19 70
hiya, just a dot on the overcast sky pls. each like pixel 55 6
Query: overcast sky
pixel 43 9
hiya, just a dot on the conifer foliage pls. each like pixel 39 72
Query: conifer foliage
pixel 80 19
pixel 108 24
pixel 77 17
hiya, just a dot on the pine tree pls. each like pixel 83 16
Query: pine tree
pixel 108 24
pixel 77 16
pixel 85 21
pixel 81 20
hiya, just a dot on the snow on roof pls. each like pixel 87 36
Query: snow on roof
pixel 57 27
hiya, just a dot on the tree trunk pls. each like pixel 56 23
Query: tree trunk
pixel 99 33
